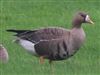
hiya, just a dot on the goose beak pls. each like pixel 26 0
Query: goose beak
pixel 88 20
pixel 91 22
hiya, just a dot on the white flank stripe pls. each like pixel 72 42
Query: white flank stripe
pixel 29 46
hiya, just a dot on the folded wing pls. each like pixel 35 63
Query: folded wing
pixel 41 34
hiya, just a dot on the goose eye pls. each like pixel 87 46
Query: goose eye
pixel 83 15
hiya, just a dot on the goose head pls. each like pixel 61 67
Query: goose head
pixel 80 18
pixel 3 54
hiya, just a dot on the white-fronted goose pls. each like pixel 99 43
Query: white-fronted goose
pixel 3 54
pixel 54 43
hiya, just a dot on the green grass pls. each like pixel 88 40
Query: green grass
pixel 33 14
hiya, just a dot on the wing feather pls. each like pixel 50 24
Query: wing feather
pixel 44 34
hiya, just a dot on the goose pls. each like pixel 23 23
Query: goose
pixel 54 43
pixel 3 54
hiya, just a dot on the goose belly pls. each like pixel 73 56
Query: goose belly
pixel 29 46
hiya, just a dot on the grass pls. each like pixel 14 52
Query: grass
pixel 33 14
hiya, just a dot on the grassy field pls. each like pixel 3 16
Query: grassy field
pixel 33 14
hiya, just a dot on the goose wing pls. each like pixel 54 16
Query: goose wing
pixel 41 34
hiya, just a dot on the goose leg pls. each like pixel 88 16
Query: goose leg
pixel 50 61
pixel 41 59
pixel 51 67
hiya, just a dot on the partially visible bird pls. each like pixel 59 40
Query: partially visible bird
pixel 3 54
pixel 54 43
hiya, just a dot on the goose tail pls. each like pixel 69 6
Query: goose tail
pixel 16 31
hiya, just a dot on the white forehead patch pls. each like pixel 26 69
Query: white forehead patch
pixel 87 18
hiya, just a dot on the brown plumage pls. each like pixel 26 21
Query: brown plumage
pixel 3 54
pixel 54 43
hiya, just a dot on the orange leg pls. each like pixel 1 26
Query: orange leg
pixel 41 59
